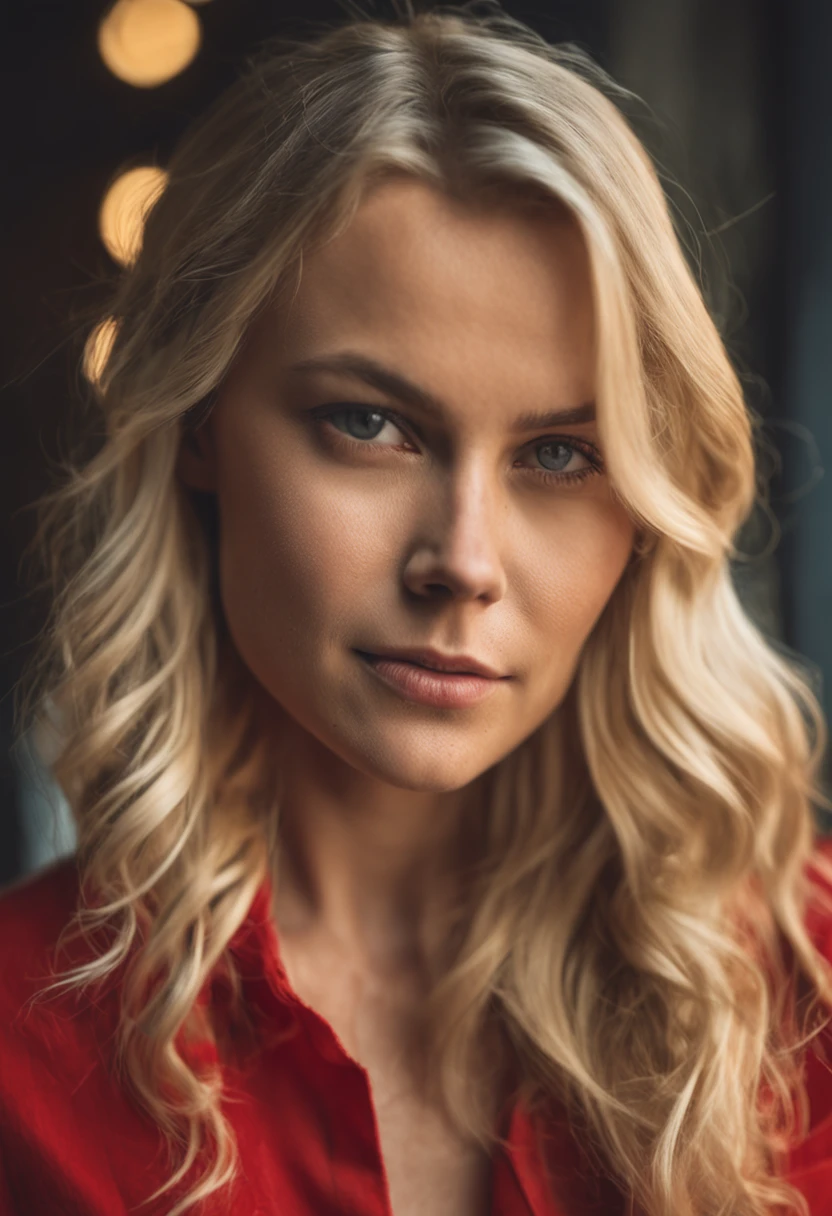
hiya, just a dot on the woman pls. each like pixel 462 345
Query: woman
pixel 445 827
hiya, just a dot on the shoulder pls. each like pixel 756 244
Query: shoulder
pixel 810 1161
pixel 49 1039
pixel 69 1139
pixel 33 911
pixel 818 918
pixel 48 895
pixel 41 1033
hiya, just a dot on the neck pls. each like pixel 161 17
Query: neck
pixel 372 867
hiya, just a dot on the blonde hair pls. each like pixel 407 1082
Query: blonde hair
pixel 643 854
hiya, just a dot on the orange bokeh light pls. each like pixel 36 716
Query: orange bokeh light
pixel 122 214
pixel 146 42
pixel 97 349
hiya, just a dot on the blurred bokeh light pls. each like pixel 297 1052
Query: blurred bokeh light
pixel 122 213
pixel 146 42
pixel 97 349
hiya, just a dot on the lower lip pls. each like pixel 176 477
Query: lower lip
pixel 442 689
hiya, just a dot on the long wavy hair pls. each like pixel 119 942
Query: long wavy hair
pixel 642 875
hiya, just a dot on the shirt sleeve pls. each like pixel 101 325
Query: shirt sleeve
pixel 8 1206
pixel 810 1168
pixel 59 1120
pixel 55 1132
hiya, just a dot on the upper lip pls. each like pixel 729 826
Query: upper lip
pixel 463 664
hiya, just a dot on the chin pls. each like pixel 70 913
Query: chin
pixel 427 770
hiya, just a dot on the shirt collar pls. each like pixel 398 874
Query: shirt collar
pixel 278 1009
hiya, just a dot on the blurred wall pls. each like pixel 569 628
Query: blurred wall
pixel 709 71
pixel 806 321
pixel 743 93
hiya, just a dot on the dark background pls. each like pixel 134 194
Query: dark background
pixel 738 113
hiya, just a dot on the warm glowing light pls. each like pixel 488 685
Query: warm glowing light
pixel 122 214
pixel 146 42
pixel 97 349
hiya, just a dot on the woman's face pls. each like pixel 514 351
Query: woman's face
pixel 358 517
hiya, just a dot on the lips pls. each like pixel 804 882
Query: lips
pixel 434 660
pixel 416 682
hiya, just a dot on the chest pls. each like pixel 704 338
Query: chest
pixel 429 1167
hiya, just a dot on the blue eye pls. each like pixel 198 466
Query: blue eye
pixel 362 424
pixel 362 421
pixel 553 445
pixel 586 450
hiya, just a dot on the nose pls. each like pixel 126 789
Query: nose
pixel 458 554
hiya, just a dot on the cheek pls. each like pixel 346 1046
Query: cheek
pixel 296 553
pixel 580 568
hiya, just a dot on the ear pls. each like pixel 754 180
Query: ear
pixel 196 462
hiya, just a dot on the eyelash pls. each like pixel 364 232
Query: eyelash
pixel 549 476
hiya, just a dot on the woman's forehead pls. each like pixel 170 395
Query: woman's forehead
pixel 411 285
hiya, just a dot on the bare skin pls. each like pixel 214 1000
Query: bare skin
pixel 438 530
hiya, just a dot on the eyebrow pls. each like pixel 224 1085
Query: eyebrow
pixel 394 384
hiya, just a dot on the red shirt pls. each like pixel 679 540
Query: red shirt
pixel 73 1144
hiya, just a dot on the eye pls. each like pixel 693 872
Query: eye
pixel 556 455
pixel 362 423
